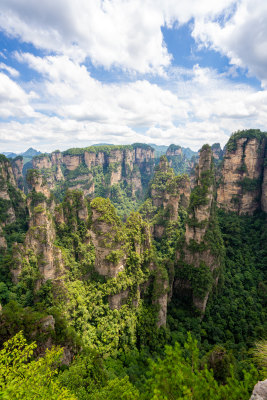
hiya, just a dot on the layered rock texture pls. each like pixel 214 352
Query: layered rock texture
pixel 200 255
pixel 169 193
pixel 96 169
pixel 217 152
pixel 243 183
pixel 12 201
pixel 38 256
pixel 17 167
pixel 179 160
pixel 260 391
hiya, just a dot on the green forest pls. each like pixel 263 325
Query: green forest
pixel 160 296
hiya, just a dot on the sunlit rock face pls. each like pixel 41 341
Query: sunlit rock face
pixel 242 186
pixel 201 252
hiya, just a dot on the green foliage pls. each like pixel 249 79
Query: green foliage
pixel 80 170
pixel 119 389
pixel 248 134
pixel 200 278
pixel 121 196
pixel 162 176
pixel 199 193
pixel 24 378
pixel 180 376
pixel 237 315
pixel 248 184
pixel 85 376
pixel 32 176
pixel 106 211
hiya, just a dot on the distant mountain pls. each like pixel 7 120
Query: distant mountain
pixel 188 152
pixel 159 150
pixel 9 154
pixel 30 153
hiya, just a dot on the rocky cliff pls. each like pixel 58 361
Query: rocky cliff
pixel 180 161
pixel 38 256
pixel 168 193
pixel 200 253
pixel 96 169
pixel 17 167
pixel 242 187
pixel 12 203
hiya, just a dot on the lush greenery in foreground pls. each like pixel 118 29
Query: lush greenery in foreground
pixel 118 352
pixel 178 375
pixel 220 367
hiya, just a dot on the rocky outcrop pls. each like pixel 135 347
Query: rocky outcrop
pixel 174 150
pixel 17 167
pixel 11 197
pixel 242 187
pixel 260 391
pixel 38 252
pixel 94 167
pixel 169 196
pixel 264 187
pixel 168 192
pixel 178 160
pixel 201 251
pixel 217 152
pixel 106 233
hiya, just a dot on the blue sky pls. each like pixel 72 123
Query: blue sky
pixel 124 71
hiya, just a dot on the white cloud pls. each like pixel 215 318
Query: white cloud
pixel 14 101
pixel 67 107
pixel 242 38
pixel 12 71
pixel 120 33
pixel 201 106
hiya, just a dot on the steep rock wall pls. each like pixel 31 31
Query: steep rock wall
pixel 200 255
pixel 242 187
pixel 38 252
pixel 94 170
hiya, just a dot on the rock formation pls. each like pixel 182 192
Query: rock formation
pixel 242 187
pixel 168 193
pixel 95 169
pixel 38 254
pixel 17 167
pixel 12 200
pixel 217 152
pixel 178 160
pixel 260 391
pixel 200 255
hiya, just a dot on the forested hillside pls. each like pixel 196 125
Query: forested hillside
pixel 126 278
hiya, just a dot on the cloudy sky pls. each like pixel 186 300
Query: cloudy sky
pixel 74 73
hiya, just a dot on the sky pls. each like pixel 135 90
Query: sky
pixel 76 73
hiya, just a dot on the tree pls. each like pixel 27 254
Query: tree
pixel 23 378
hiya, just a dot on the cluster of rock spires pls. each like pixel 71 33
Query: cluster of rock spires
pixel 241 187
pixel 243 184
pixel 77 168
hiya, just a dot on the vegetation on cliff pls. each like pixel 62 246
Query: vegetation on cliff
pixel 116 294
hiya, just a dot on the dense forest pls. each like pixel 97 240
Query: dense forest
pixel 124 275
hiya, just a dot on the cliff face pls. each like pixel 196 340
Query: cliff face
pixel 108 239
pixel 243 178
pixel 178 160
pixel 17 167
pixel 201 253
pixel 217 152
pixel 38 253
pixel 12 203
pixel 96 169
pixel 7 181
pixel 169 197
pixel 168 192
